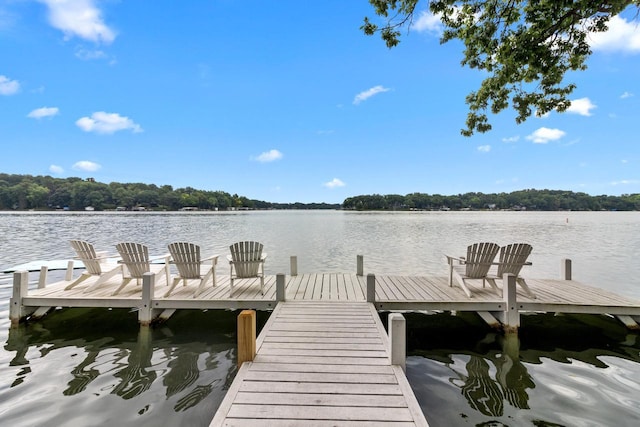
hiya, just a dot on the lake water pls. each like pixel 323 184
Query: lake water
pixel 85 367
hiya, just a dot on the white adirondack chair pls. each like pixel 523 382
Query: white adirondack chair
pixel 186 257
pixel 95 263
pixel 512 258
pixel 135 257
pixel 475 266
pixel 246 261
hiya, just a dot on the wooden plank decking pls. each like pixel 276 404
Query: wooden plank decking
pixel 321 364
pixel 391 293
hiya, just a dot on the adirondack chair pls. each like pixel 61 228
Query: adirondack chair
pixel 247 260
pixel 95 263
pixel 475 266
pixel 186 257
pixel 512 258
pixel 135 257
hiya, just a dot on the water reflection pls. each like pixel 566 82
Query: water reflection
pixel 189 362
pixel 135 374
pixel 496 374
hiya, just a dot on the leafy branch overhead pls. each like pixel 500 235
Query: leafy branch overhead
pixel 526 47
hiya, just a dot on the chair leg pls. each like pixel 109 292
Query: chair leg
pixel 176 280
pixel 262 284
pixel 84 276
pixel 524 285
pixel 464 287
pixel 495 287
pixel 124 283
pixel 103 278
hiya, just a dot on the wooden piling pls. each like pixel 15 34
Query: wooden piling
pixel 398 340
pixel 371 288
pixel 359 265
pixel 246 336
pixel 20 290
pixel 280 287
pixel 294 265
pixel 510 316
pixel 69 273
pixel 565 269
pixel 42 279
pixel 146 312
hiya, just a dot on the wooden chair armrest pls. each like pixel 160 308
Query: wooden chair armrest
pixel 213 258
pixel 450 259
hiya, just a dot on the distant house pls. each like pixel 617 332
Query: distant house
pixel 89 208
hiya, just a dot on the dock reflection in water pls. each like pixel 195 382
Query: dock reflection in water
pixel 453 356
pixel 182 367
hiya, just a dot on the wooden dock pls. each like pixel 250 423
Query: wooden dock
pixel 321 364
pixel 323 357
pixel 387 293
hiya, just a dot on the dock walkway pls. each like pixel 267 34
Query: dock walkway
pixel 321 364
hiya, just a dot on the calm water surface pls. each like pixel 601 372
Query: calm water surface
pixel 85 367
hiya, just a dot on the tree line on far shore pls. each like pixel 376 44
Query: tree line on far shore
pixel 24 192
pixel 536 200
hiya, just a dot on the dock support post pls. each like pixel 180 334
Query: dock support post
pixel 371 288
pixel 246 336
pixel 294 265
pixel 398 340
pixel 20 290
pixel 510 316
pixel 359 265
pixel 565 269
pixel 42 279
pixel 146 311
pixel 280 294
pixel 69 274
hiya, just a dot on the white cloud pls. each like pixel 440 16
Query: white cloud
pixel 7 86
pixel 622 36
pixel 39 113
pixel 86 166
pixel 626 95
pixel 89 55
pixel 80 18
pixel 363 96
pixel 334 183
pixel 511 139
pixel 427 22
pixel 101 122
pixel 582 106
pixel 269 156
pixel 544 135
pixel 625 182
pixel 484 148
pixel 56 169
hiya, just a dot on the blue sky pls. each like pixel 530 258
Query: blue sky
pixel 287 101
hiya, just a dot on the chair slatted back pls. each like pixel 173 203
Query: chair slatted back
pixel 136 257
pixel 87 254
pixel 479 259
pixel 513 257
pixel 246 258
pixel 186 257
